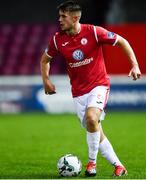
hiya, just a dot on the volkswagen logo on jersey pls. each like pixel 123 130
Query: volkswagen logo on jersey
pixel 78 55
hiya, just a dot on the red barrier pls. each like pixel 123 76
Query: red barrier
pixel 116 61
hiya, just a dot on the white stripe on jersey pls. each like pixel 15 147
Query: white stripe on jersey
pixel 95 33
pixel 116 40
pixel 54 39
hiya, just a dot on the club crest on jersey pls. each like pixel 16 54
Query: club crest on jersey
pixel 84 41
pixel 78 55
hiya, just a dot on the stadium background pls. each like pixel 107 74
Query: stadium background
pixel 25 27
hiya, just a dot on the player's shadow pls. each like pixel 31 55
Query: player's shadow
pixel 41 176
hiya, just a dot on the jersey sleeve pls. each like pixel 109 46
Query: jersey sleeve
pixel 104 36
pixel 51 50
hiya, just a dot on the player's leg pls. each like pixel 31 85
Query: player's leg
pixel 96 101
pixel 93 138
pixel 89 108
pixel 108 152
pixel 89 116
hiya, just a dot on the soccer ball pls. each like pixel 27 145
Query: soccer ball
pixel 69 165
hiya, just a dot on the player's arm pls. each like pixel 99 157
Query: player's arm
pixel 124 44
pixel 45 69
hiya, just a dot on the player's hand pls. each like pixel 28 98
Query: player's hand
pixel 135 72
pixel 49 87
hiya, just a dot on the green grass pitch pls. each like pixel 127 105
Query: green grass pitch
pixel 31 144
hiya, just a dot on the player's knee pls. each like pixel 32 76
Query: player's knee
pixel 91 119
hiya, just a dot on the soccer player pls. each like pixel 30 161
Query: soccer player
pixel 81 46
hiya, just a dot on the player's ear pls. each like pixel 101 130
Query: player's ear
pixel 75 18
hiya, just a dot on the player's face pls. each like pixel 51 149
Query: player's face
pixel 66 20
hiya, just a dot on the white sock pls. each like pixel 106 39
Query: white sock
pixel 108 152
pixel 93 140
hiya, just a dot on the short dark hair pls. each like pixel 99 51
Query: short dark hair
pixel 71 6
